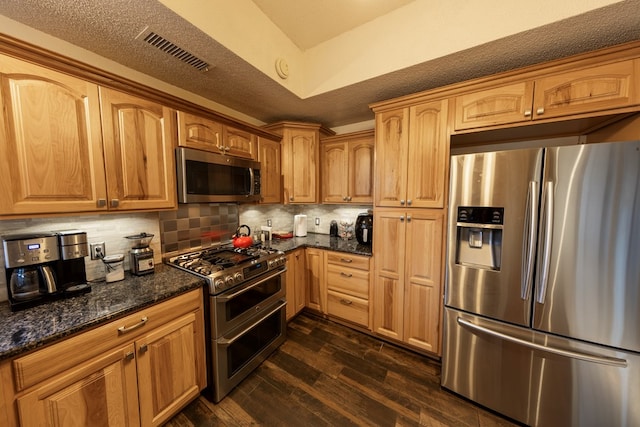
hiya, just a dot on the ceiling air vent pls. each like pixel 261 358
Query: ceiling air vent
pixel 168 47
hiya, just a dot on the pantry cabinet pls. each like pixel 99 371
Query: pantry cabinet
pixel 408 280
pixel 300 160
pixel 580 91
pixel 139 139
pixel 51 155
pixel 347 278
pixel 347 168
pixel 138 370
pixel 269 156
pixel 412 150
pixel 296 276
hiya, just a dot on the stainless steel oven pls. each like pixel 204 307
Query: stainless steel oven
pixel 246 310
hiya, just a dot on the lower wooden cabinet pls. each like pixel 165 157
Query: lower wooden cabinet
pixel 139 370
pixel 316 285
pixel 347 278
pixel 296 282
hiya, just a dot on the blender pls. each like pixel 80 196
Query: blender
pixel 141 260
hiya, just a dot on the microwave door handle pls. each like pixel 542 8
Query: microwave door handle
pixel 226 298
pixel 529 244
pixel 252 188
pixel 547 226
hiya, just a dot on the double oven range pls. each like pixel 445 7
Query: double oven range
pixel 245 309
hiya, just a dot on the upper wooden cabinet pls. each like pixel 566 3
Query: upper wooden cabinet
pixel 269 156
pixel 50 143
pixel 583 91
pixel 206 134
pixel 412 150
pixel 139 138
pixel 347 168
pixel 300 159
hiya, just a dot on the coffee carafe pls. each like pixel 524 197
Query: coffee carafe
pixel 29 266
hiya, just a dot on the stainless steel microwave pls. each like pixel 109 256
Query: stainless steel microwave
pixel 205 177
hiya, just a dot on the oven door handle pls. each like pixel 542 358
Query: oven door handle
pixel 225 298
pixel 227 342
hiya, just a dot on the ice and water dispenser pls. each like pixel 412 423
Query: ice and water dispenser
pixel 479 236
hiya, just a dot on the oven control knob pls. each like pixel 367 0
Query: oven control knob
pixel 219 283
pixel 229 280
pixel 272 263
pixel 238 277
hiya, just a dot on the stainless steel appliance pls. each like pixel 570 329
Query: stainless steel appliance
pixel 364 228
pixel 205 177
pixel 542 301
pixel 29 261
pixel 141 255
pixel 246 312
pixel 70 268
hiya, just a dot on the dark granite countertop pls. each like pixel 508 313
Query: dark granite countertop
pixel 321 241
pixel 28 329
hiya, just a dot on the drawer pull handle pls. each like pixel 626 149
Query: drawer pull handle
pixel 346 260
pixel 124 329
pixel 346 274
pixel 129 355
pixel 345 301
pixel 144 348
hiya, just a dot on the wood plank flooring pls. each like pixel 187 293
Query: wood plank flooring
pixel 326 374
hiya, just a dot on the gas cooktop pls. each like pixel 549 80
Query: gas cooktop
pixel 226 267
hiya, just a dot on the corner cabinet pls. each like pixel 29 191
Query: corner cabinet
pixel 139 370
pixel 346 168
pixel 300 160
pixel 408 281
pixel 590 90
pixel 412 150
pixel 139 138
pixel 269 156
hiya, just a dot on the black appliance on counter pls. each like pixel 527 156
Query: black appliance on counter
pixel 70 269
pixel 364 228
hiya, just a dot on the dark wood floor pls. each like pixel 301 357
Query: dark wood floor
pixel 328 375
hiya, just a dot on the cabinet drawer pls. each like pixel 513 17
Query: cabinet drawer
pixel 349 308
pixel 42 364
pixel 354 261
pixel 348 280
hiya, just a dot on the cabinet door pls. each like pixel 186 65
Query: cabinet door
pixel 270 171
pixel 139 140
pixel 591 89
pixel 50 142
pixel 428 157
pixel 495 106
pixel 392 133
pixel 316 286
pixel 199 133
pixel 301 177
pixel 334 170
pixel 423 279
pixel 100 392
pixel 388 293
pixel 239 143
pixel 361 155
pixel 290 277
pixel 167 371
pixel 300 280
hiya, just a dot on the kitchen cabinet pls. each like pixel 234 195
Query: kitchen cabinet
pixel 206 134
pixel 347 278
pixel 581 91
pixel 412 151
pixel 316 295
pixel 300 160
pixel 138 370
pixel 347 168
pixel 296 282
pixel 139 140
pixel 408 281
pixel 51 155
pixel 269 156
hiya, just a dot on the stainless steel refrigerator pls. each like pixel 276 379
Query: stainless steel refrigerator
pixel 542 300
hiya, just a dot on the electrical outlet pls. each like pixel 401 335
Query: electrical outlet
pixel 97 250
pixel 268 223
pixel 317 221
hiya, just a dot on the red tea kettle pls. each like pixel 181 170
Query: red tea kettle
pixel 241 240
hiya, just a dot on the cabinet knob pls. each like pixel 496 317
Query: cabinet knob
pixel 402 202
pixel 540 111
pixel 408 218
pixel 129 355
pixel 291 199
pixel 409 202
pixel 115 203
pixel 102 203
pixel 344 199
pixel 349 198
pixel 144 348
pixel 227 148
pixel 527 113
pixel 402 218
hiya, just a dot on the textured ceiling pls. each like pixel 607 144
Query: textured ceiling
pixel 109 28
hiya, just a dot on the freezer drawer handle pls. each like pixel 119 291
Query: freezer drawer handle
pixel 605 360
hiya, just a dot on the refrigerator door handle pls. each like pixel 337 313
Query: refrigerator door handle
pixel 547 226
pixel 529 242
pixel 604 360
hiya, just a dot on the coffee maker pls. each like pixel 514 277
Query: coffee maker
pixel 70 268
pixel 30 265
